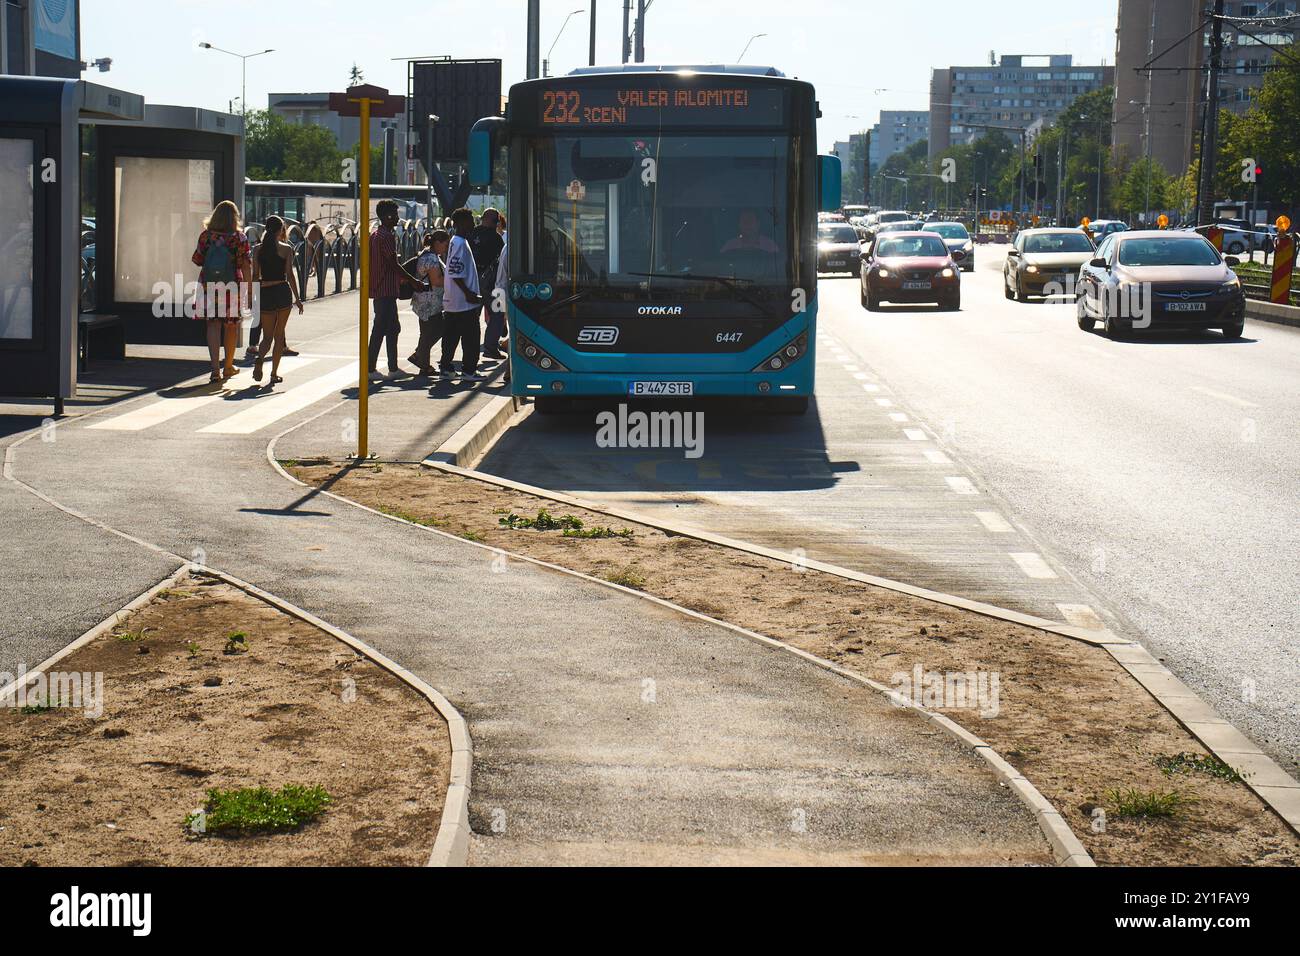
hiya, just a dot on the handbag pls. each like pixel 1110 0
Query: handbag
pixel 406 288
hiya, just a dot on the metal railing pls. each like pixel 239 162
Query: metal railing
pixel 332 247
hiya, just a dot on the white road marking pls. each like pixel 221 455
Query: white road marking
pixel 165 409
pixel 270 410
pixel 885 402
pixel 994 522
pixel 936 457
pixel 961 485
pixel 1033 565
pixel 897 417
pixel 1081 615
pixel 872 388
pixel 860 376
pixel 847 368
pixel 915 434
pixel 1224 397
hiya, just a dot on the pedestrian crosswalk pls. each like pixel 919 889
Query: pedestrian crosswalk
pixel 250 413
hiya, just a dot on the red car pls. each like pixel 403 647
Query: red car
pixel 911 267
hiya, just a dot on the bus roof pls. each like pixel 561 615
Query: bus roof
pixel 744 70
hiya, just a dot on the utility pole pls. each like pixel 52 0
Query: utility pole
pixel 1210 127
pixel 1151 53
pixel 591 44
pixel 640 31
pixel 534 39
pixel 627 30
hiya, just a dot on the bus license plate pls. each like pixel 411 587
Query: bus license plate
pixel 1185 307
pixel 661 388
pixel 909 286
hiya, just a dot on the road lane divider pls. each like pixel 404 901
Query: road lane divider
pixel 1033 565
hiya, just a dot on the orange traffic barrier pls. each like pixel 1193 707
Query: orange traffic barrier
pixel 1283 266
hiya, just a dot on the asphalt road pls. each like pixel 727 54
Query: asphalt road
pixel 1163 471
pixel 1002 454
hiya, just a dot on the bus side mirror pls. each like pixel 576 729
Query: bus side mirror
pixel 828 183
pixel 483 149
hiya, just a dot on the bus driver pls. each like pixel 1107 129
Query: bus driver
pixel 750 236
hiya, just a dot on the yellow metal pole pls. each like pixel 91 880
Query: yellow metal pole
pixel 363 391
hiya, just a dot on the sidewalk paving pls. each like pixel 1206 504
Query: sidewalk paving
pixel 605 729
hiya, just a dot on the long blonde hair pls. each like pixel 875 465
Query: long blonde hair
pixel 225 218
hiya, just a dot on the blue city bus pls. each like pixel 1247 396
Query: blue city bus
pixel 663 233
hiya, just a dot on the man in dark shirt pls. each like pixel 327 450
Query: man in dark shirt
pixel 386 274
pixel 487 244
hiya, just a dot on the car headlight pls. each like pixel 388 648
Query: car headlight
pixel 970 246
pixel 947 273
pixel 1031 268
pixel 884 273
pixel 1232 285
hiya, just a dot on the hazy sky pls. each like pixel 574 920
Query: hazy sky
pixel 862 56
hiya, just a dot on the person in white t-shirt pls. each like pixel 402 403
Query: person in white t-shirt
pixel 461 303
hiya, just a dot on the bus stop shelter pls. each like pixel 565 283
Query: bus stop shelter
pixel 79 159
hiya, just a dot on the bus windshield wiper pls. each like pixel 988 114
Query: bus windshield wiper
pixel 580 294
pixel 734 284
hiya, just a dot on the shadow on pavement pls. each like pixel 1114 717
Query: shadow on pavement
pixel 104 384
pixel 741 449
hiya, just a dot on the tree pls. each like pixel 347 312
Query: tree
pixel 1146 186
pixel 277 149
pixel 355 76
pixel 1267 134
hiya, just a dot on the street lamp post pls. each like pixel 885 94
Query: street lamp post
pixel 546 64
pixel 243 58
pixel 428 169
pixel 746 50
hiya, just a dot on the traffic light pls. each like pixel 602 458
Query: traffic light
pixel 1259 172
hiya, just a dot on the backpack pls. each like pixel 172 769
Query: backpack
pixel 218 263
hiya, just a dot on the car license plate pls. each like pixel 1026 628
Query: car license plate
pixel 907 286
pixel 836 263
pixel 1185 307
pixel 661 388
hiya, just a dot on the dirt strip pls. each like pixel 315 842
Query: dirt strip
pixel 1067 716
pixel 184 711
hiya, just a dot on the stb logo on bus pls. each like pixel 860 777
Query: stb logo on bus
pixel 598 335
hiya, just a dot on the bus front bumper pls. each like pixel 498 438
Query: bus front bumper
pixel 530 381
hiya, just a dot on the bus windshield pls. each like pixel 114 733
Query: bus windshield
pixel 615 216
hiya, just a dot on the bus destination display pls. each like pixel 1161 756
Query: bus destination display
pixel 651 105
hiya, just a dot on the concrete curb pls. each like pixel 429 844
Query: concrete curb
pixel 1268 781
pixel 103 627
pixel 1262 311
pixel 1067 850
pixel 475 438
pixel 451 846
pixel 1086 636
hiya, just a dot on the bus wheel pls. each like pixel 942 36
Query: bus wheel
pixel 549 406
pixel 792 405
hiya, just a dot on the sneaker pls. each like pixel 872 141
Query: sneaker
pixel 375 376
pixel 473 377
pixel 290 353
pixel 395 373
pixel 250 356
pixel 445 374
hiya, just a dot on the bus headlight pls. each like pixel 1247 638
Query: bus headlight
pixel 788 354
pixel 533 354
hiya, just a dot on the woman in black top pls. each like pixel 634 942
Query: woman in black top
pixel 273 268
